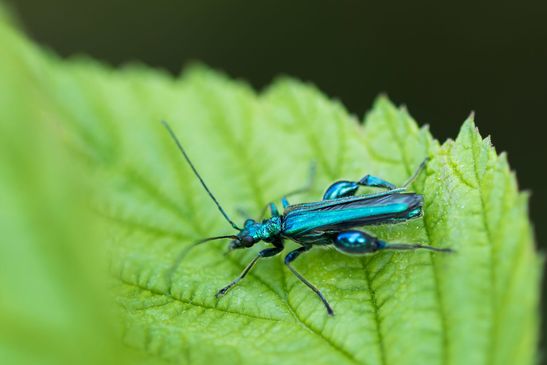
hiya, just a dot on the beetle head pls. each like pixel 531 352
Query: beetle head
pixel 248 236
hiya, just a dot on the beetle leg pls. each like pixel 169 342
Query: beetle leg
pixel 268 252
pixel 304 189
pixel 242 213
pixel 354 242
pixel 273 210
pixel 309 184
pixel 376 182
pixel 291 256
pixel 284 202
pixel 344 188
pixel 416 173
pixel 415 246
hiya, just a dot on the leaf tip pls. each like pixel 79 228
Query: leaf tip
pixel 382 101
pixel 470 121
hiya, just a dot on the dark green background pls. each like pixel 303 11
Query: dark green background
pixel 442 60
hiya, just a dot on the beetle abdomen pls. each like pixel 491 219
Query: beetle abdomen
pixel 351 213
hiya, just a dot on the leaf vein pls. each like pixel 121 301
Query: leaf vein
pixel 193 303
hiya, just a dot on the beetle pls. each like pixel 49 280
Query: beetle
pixel 329 222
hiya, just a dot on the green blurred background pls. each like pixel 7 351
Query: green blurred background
pixel 442 60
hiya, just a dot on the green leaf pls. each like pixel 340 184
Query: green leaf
pixel 476 306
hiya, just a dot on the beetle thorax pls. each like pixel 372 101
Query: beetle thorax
pixel 264 230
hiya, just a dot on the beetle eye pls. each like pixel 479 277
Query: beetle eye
pixel 248 222
pixel 247 241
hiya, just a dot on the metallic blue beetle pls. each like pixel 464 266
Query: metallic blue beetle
pixel 324 223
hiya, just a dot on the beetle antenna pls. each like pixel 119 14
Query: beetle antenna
pixel 179 145
pixel 185 251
